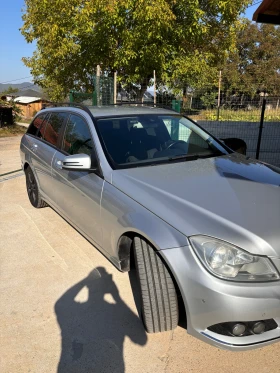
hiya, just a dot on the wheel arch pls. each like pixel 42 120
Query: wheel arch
pixel 124 247
pixel 26 164
pixel 126 260
pixel 125 250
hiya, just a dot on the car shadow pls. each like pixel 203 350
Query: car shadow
pixel 93 332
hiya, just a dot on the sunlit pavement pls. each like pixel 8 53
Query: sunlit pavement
pixel 9 154
pixel 65 308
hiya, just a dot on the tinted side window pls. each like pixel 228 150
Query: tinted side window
pixel 36 123
pixel 77 137
pixel 41 130
pixel 53 127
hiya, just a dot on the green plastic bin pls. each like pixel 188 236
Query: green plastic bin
pixel 176 105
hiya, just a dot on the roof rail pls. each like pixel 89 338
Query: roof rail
pixel 86 109
pixel 151 104
pixel 67 104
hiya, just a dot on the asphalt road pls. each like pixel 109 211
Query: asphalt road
pixel 64 308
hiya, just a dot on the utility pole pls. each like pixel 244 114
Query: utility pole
pixel 219 95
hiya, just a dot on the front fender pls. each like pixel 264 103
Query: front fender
pixel 120 214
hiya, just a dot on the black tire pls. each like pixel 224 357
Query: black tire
pixel 32 190
pixel 159 299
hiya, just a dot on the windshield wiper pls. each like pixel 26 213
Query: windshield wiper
pixel 193 157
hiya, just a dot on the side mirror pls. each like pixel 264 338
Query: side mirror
pixel 236 145
pixel 77 162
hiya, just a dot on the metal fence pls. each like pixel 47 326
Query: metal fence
pixel 256 121
pixel 224 114
pixel 235 116
pixel 102 94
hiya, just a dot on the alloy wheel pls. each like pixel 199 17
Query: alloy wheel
pixel 31 187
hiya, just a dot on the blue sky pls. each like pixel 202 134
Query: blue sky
pixel 13 45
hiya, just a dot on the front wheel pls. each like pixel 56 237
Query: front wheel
pixel 33 190
pixel 159 299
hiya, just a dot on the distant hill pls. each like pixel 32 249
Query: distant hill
pixel 20 86
pixel 30 93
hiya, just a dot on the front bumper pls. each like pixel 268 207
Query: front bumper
pixel 209 301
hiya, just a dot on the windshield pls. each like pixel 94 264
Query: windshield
pixel 153 139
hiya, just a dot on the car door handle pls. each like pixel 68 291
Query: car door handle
pixel 34 147
pixel 58 164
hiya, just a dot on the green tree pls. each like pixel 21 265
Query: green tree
pixel 209 99
pixel 17 112
pixel 180 39
pixel 255 63
pixel 9 91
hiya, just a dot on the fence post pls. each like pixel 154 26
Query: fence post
pixel 219 95
pixel 98 84
pixel 115 87
pixel 71 96
pixel 155 89
pixel 261 128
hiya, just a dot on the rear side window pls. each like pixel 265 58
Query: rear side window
pixel 36 124
pixel 53 127
pixel 77 138
pixel 41 130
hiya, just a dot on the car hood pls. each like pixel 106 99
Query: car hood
pixel 229 197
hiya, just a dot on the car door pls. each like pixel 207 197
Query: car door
pixel 45 131
pixel 78 193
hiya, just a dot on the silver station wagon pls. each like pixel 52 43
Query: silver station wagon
pixel 155 192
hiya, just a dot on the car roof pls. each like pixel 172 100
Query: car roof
pixel 113 110
pixel 104 111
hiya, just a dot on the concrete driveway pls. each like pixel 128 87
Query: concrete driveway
pixel 64 308
pixel 9 154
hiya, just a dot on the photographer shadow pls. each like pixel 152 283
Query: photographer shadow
pixel 93 332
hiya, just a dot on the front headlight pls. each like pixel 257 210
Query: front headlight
pixel 229 262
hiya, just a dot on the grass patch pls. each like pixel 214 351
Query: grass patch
pixel 12 130
pixel 271 115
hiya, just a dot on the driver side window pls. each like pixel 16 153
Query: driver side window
pixel 180 132
pixel 77 138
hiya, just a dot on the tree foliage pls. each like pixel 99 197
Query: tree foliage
pixel 180 39
pixel 17 112
pixel 254 65
pixel 10 90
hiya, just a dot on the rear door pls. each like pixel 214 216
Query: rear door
pixel 78 193
pixel 43 149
